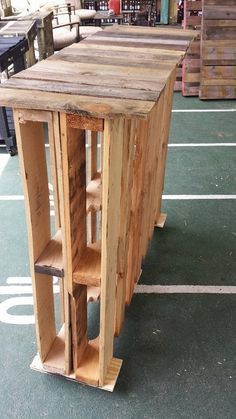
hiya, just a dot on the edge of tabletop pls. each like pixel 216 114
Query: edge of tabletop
pixel 107 108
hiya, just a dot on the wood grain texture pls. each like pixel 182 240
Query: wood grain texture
pixel 102 76
pixel 218 50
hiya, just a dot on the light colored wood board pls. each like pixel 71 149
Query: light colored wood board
pixel 119 58
pixel 217 92
pixel 120 54
pixel 67 268
pixel 71 88
pixel 55 360
pixel 161 221
pixel 110 381
pixel 125 219
pixel 193 77
pixel 50 260
pixel 113 82
pixel 82 105
pixel 54 177
pixel 111 193
pixel 88 370
pixel 78 304
pixel 168 98
pixel 37 116
pixel 83 122
pixel 149 53
pixel 218 72
pixel 88 270
pixel 219 82
pixel 74 185
pixel 30 141
pixel 93 194
pixel 141 142
pixel 75 69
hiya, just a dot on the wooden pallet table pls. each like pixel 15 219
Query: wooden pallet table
pixel 218 50
pixel 113 93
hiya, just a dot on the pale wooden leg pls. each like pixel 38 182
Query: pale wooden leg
pixel 30 140
pixel 125 218
pixel 111 193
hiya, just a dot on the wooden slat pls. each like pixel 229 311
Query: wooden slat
pixel 50 260
pixel 30 141
pixel 88 270
pixel 111 192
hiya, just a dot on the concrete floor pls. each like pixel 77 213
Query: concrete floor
pixel 178 349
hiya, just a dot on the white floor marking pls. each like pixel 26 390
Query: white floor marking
pixel 3 161
pixel 5 317
pixel 198 197
pixel 204 110
pixel 23 280
pixel 11 197
pixel 202 145
pixel 185 289
pixel 21 289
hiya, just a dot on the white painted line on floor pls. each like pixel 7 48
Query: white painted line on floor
pixel 184 289
pixel 11 197
pixel 202 145
pixel 198 197
pixel 3 161
pixel 165 197
pixel 203 110
pixel 23 280
pixel 21 289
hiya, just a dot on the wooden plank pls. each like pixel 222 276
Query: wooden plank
pixel 78 304
pixel 74 184
pixel 65 303
pixel 50 260
pixel 30 141
pixel 85 122
pixel 111 192
pixel 88 270
pixel 125 219
pixel 82 105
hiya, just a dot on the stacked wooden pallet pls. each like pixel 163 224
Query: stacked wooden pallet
pixel 114 90
pixel 218 50
pixel 192 14
pixel 191 64
pixel 191 68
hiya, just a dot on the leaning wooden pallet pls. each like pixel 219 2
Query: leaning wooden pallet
pixel 218 50
pixel 114 90
pixel 192 14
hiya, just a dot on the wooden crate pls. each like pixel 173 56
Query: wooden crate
pixel 114 92
pixel 192 14
pixel 218 50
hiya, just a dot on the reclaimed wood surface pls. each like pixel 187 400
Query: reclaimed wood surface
pixel 218 50
pixel 120 71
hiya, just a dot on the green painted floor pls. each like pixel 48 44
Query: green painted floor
pixel 178 350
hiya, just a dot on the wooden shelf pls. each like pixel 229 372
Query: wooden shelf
pixel 88 271
pixel 50 260
pixel 93 194
pixel 88 371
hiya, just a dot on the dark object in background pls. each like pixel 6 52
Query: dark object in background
pixel 180 13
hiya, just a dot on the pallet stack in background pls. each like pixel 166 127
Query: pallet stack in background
pixel 191 64
pixel 218 50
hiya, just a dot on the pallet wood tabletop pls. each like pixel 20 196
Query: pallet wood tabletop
pixel 119 71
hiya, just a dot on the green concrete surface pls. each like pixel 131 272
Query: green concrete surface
pixel 178 350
